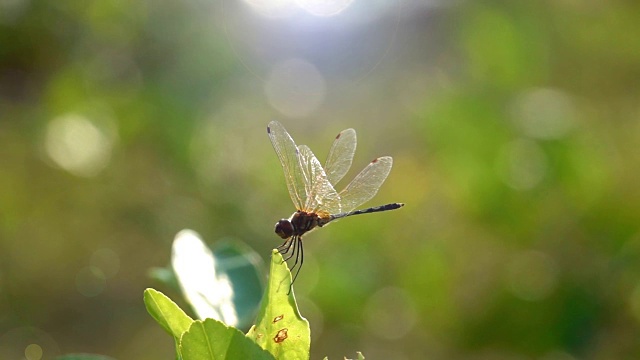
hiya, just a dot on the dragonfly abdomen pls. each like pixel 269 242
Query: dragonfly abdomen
pixel 386 207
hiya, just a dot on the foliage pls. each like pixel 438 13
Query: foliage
pixel 280 331
pixel 223 282
pixel 514 131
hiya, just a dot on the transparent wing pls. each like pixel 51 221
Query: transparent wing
pixel 364 186
pixel 321 196
pixel 287 152
pixel 340 156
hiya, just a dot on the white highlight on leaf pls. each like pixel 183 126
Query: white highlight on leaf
pixel 209 293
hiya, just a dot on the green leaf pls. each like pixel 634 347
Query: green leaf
pixel 166 313
pixel 280 329
pixel 83 357
pixel 225 282
pixel 211 339
pixel 246 271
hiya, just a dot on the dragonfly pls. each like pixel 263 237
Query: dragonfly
pixel 312 187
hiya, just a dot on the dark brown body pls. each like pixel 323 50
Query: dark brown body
pixel 302 222
pixel 299 223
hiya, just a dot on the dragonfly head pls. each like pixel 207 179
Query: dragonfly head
pixel 284 228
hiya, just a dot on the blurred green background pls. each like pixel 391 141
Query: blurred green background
pixel 514 126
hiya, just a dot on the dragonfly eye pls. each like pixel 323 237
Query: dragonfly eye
pixel 284 228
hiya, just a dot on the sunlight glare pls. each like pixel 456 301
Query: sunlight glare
pixel 286 8
pixel 324 7
pixel 273 8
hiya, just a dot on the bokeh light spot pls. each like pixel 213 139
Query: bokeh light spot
pixel 634 302
pixel 557 355
pixel 107 261
pixel 522 164
pixel 28 343
pixel 12 10
pixel 532 275
pixel 33 352
pixel 77 145
pixel 544 113
pixel 295 88
pixel 390 313
pixel 90 281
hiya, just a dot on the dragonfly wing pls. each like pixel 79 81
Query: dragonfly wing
pixel 289 157
pixel 320 194
pixel 365 186
pixel 340 155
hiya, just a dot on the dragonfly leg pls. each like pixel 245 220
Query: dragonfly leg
pixel 284 248
pixel 301 253
pixel 297 252
pixel 284 244
pixel 294 250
